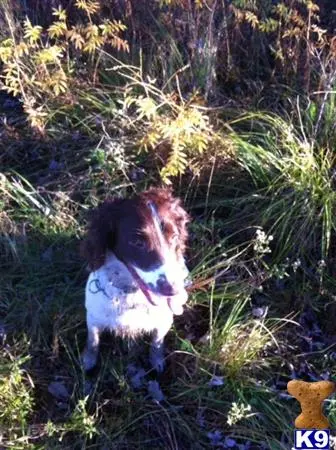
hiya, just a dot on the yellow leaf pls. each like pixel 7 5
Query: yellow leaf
pixel 57 29
pixel 32 33
pixel 89 6
pixel 21 49
pixel 6 50
pixel 119 44
pixel 49 55
pixel 252 19
pixel 60 13
pixel 146 108
pixel 76 38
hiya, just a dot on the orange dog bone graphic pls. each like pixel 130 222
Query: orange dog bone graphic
pixel 311 396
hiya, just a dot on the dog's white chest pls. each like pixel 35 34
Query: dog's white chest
pixel 108 307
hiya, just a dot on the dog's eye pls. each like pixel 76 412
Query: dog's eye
pixel 138 243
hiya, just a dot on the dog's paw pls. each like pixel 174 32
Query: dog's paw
pixel 137 375
pixel 89 359
pixel 157 359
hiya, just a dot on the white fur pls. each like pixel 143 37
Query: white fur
pixel 111 305
pixel 172 270
pixel 123 313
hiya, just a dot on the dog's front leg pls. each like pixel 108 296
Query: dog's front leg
pixel 90 353
pixel 157 359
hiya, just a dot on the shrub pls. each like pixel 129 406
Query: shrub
pixel 296 199
pixel 43 66
pixel 16 397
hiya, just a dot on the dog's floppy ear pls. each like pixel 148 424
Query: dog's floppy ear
pixel 182 219
pixel 173 210
pixel 101 233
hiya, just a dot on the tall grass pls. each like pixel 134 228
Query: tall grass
pixel 46 306
pixel 293 177
pixel 260 187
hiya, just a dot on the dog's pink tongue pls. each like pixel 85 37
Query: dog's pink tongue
pixel 175 306
pixel 176 302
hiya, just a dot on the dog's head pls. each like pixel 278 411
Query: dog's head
pixel 147 232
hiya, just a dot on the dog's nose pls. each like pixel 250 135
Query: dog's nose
pixel 129 288
pixel 164 287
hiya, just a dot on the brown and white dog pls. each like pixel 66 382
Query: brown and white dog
pixel 135 250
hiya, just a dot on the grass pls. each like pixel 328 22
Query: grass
pixel 294 179
pixel 42 311
pixel 260 187
pixel 219 338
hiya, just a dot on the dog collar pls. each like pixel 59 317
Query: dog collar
pixel 140 283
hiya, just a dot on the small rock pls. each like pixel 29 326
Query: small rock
pixel 215 438
pixel 76 136
pixel 3 333
pixel 285 396
pixel 200 417
pixel 259 312
pixel 63 406
pixel 216 381
pixel 229 442
pixel 325 375
pixel 204 339
pixel 88 387
pixel 47 255
pixel 58 390
pixel 137 174
pixel 55 166
pixel 154 391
